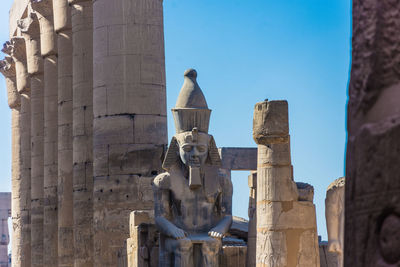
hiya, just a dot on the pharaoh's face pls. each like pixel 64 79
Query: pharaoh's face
pixel 193 148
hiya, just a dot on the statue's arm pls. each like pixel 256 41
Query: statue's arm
pixel 162 208
pixel 225 207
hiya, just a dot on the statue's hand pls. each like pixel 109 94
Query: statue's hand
pixel 178 233
pixel 215 234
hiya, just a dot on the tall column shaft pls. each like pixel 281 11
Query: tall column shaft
pixel 372 206
pixel 7 68
pixel 25 183
pixel 62 25
pixel 48 47
pixel 21 182
pixel 50 178
pixel 82 36
pixel 129 128
pixel 37 137
pixel 30 30
pixel 252 211
pixel 286 225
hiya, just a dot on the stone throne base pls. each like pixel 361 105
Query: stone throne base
pixel 143 244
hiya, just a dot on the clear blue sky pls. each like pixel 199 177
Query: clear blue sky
pixel 244 52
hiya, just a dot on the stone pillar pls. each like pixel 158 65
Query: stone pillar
pixel 252 233
pixel 62 26
pixel 30 30
pixel 286 227
pixel 21 184
pixel 7 68
pixel 334 214
pixel 82 37
pixel 48 47
pixel 5 210
pixel 372 212
pixel 129 106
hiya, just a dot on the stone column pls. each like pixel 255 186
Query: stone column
pixel 30 30
pixel 334 214
pixel 48 47
pixel 62 26
pixel 21 187
pixel 252 233
pixel 129 106
pixel 286 227
pixel 7 68
pixel 82 37
pixel 5 210
pixel 372 212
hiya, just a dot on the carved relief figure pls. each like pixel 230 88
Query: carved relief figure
pixel 192 201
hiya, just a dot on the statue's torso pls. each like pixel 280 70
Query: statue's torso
pixel 195 211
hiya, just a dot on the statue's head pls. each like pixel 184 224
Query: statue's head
pixel 192 145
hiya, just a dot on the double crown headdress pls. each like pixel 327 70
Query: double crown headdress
pixel 190 112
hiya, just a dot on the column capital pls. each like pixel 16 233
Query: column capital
pixel 7 68
pixel 29 26
pixel 42 7
pixel 271 122
pixel 30 30
pixel 16 48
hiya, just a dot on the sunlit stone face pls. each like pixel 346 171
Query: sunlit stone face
pixel 193 148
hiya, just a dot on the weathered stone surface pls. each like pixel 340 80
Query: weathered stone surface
pixel 306 191
pixel 37 138
pixel 334 214
pixel 50 175
pixel 129 107
pixel 16 48
pixel 7 68
pixel 62 25
pixel 252 211
pixel 328 259
pixel 372 180
pixel 271 122
pixel 5 212
pixel 234 256
pixel 238 158
pixel 82 38
pixel 286 221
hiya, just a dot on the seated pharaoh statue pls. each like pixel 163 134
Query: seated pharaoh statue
pixel 193 202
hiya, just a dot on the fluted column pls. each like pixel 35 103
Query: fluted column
pixel 7 68
pixel 62 26
pixel 82 36
pixel 48 47
pixel 129 128
pixel 30 31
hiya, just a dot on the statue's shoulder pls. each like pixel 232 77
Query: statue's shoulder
pixel 162 181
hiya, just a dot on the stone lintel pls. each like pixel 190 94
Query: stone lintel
pixel 238 158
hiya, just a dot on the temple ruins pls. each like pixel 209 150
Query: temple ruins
pixel 95 182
